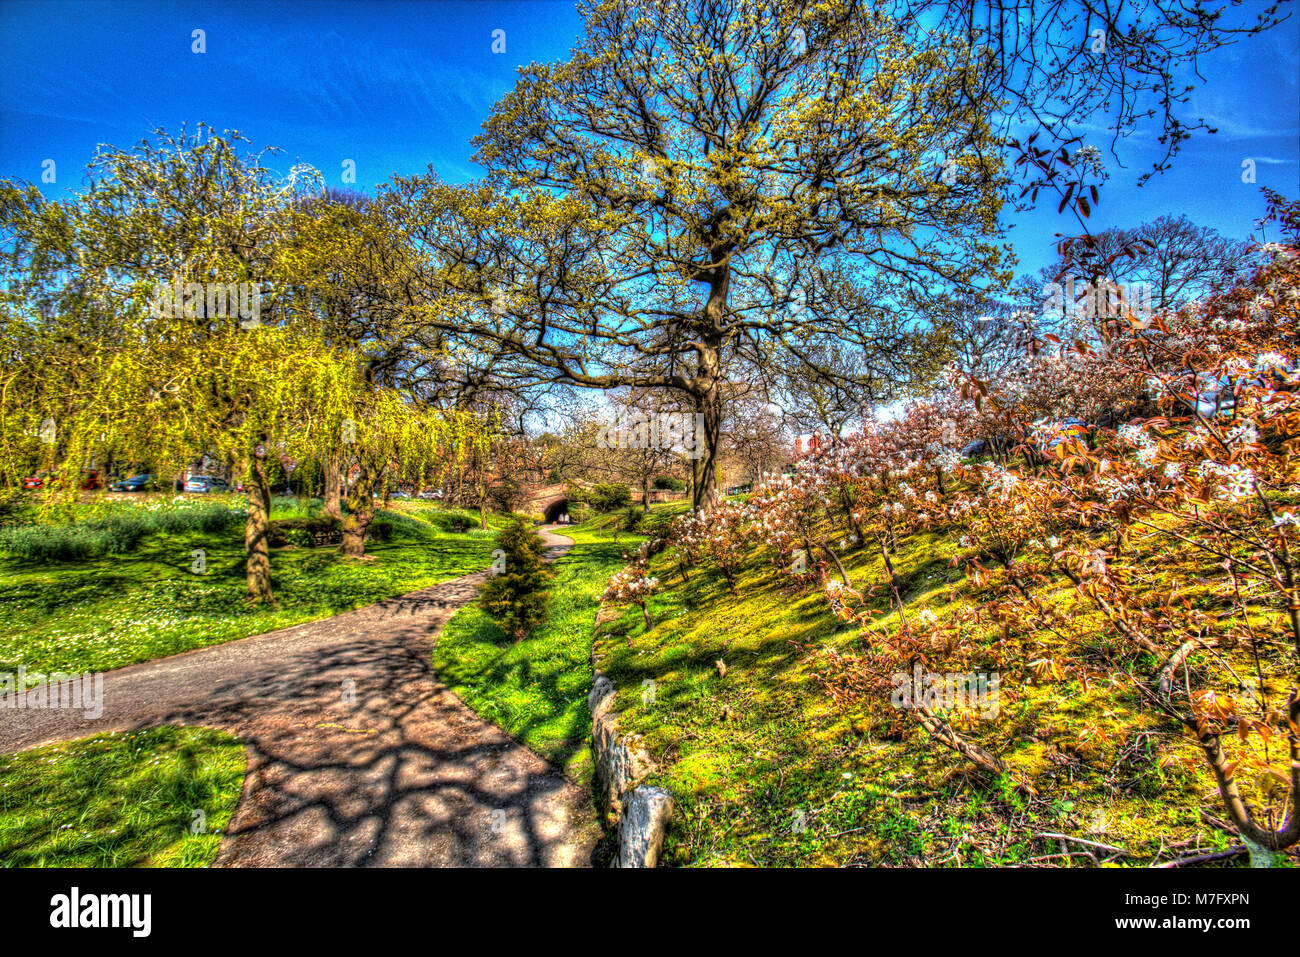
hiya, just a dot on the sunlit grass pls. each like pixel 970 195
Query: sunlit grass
pixel 767 770
pixel 113 611
pixel 536 690
pixel 156 798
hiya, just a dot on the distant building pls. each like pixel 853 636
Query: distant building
pixel 806 445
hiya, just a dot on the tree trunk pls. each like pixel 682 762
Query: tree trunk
pixel 894 580
pixel 704 469
pixel 844 576
pixel 846 500
pixel 707 385
pixel 481 486
pixel 257 530
pixel 333 497
pixel 361 511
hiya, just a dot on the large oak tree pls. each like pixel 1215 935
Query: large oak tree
pixel 712 185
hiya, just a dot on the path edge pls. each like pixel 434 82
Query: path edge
pixel 639 814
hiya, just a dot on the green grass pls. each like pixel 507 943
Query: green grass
pixel 116 532
pixel 445 518
pixel 536 690
pixel 154 798
pixel 608 526
pixel 112 611
pixel 767 771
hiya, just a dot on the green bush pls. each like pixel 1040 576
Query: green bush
pixel 669 483
pixel 608 497
pixel 289 506
pixel 658 523
pixel 299 531
pixel 632 518
pixel 214 517
pixel 516 598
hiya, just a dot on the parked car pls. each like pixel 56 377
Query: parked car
pixel 90 480
pixel 399 494
pixel 1071 428
pixel 38 480
pixel 204 484
pixel 142 482
pixel 974 448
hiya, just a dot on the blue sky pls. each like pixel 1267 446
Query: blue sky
pixel 399 86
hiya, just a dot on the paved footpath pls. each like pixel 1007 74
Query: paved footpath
pixel 403 775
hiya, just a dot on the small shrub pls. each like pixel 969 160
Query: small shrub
pixel 658 524
pixel 517 597
pixel 304 531
pixel 668 483
pixel 212 517
pixel 608 497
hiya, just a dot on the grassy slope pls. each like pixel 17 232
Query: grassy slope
pixel 120 800
pixel 608 527
pixel 121 609
pixel 536 690
pixel 767 771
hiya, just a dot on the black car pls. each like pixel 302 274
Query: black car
pixel 144 482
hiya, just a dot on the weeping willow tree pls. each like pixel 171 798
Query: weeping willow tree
pixel 243 396
pixel 395 439
pixel 140 323
pixel 161 394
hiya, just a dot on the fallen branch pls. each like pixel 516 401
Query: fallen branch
pixel 1204 858
pixel 1078 840
pixel 1165 684
pixel 942 732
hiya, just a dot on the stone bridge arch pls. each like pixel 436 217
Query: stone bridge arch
pixel 551 500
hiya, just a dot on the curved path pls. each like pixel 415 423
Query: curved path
pixel 358 755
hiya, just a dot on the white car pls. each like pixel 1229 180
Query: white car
pixel 205 484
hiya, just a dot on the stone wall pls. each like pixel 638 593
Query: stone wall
pixel 640 813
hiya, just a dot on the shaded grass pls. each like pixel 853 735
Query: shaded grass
pixel 112 611
pixel 154 798
pixel 536 690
